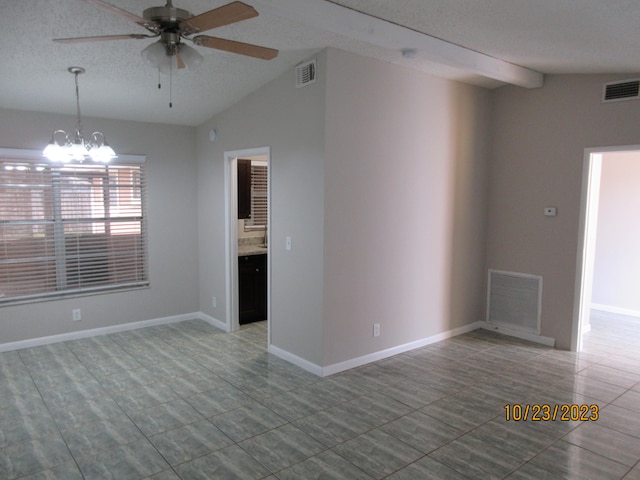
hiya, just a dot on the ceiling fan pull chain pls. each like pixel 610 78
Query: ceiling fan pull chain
pixel 159 84
pixel 171 85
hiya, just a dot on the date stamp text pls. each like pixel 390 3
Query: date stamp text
pixel 545 412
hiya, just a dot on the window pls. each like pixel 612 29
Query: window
pixel 69 229
pixel 259 184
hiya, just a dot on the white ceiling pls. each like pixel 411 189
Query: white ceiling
pixel 485 42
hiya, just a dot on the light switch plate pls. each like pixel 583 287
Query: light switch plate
pixel 550 211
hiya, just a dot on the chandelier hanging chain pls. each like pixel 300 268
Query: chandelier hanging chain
pixel 79 127
pixel 76 72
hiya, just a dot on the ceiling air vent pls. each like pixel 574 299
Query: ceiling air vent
pixel 306 73
pixel 618 91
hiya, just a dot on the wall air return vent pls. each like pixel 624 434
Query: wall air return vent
pixel 514 301
pixel 619 91
pixel 306 73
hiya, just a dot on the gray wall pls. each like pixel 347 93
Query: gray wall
pixel 414 144
pixel 405 201
pixel 291 122
pixel 173 267
pixel 538 142
pixel 379 175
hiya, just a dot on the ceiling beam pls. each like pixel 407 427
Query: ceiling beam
pixel 375 31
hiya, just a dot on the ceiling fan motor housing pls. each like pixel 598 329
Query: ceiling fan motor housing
pixel 168 17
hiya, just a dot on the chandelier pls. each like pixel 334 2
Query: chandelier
pixel 65 148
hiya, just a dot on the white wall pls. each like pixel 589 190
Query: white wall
pixel 617 262
pixel 538 142
pixel 173 267
pixel 291 122
pixel 405 201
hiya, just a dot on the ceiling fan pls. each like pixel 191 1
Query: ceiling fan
pixel 173 25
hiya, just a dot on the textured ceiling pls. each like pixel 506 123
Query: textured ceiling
pixel 548 36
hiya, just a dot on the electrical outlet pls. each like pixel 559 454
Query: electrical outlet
pixel 76 315
pixel 214 302
pixel 376 329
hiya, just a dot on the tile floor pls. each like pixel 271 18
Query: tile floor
pixel 185 401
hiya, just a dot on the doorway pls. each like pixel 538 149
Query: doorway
pixel 235 232
pixel 606 272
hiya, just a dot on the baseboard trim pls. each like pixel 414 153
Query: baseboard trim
pixel 94 332
pixel 531 337
pixel 213 321
pixel 372 357
pixel 390 352
pixel 617 310
pixel 285 355
pixel 296 360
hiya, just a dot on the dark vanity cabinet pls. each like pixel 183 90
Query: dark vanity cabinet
pixel 252 279
pixel 244 189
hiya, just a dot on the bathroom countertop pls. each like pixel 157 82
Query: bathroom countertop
pixel 251 250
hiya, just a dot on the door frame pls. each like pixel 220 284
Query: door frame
pixel 231 234
pixel 590 195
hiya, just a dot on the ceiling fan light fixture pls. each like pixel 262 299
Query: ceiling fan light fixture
pixel 190 56
pixel 154 54
pixel 165 60
pixel 168 64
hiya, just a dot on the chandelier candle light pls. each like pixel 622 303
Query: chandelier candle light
pixel 76 148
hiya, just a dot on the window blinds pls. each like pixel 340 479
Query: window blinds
pixel 67 229
pixel 259 186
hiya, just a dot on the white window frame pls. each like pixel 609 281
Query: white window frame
pixel 61 290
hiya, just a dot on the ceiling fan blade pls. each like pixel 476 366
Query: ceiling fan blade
pixel 236 47
pixel 101 38
pixel 143 22
pixel 180 61
pixel 225 15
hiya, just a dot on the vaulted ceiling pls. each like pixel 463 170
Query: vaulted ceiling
pixel 485 42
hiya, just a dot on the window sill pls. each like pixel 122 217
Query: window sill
pixel 72 294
